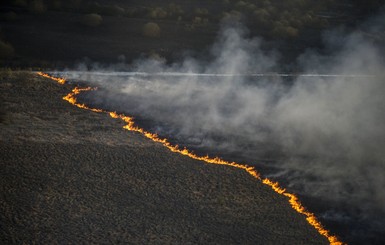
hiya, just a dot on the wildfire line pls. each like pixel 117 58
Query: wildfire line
pixel 57 79
pixel 292 198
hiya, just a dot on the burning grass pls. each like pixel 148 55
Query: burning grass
pixel 78 173
pixel 130 125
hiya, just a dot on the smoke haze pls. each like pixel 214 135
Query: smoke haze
pixel 324 136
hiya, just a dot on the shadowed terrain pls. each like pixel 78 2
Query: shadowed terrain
pixel 69 175
pixel 58 34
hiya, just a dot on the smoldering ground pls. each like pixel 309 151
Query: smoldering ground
pixel 323 136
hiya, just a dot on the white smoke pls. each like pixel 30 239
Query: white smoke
pixel 325 134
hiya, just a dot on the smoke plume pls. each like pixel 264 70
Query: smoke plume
pixel 322 134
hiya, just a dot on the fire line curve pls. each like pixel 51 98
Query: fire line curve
pixel 292 198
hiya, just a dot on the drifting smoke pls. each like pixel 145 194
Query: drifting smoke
pixel 323 135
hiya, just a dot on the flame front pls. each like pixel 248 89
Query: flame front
pixel 71 98
pixel 57 79
pixel 293 199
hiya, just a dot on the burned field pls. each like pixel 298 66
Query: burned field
pixel 70 175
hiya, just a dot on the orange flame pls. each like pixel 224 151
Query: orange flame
pixel 293 199
pixel 57 79
pixel 71 98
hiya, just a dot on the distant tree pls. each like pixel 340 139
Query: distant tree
pixel 92 20
pixel 233 15
pixel 291 32
pixel 157 13
pixel 151 29
pixel 175 10
pixel 282 30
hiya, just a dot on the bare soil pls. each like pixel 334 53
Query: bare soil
pixel 73 176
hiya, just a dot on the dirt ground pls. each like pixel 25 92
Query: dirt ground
pixel 75 176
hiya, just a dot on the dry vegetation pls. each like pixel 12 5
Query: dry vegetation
pixel 75 176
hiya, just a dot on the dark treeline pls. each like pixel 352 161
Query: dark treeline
pixel 298 23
